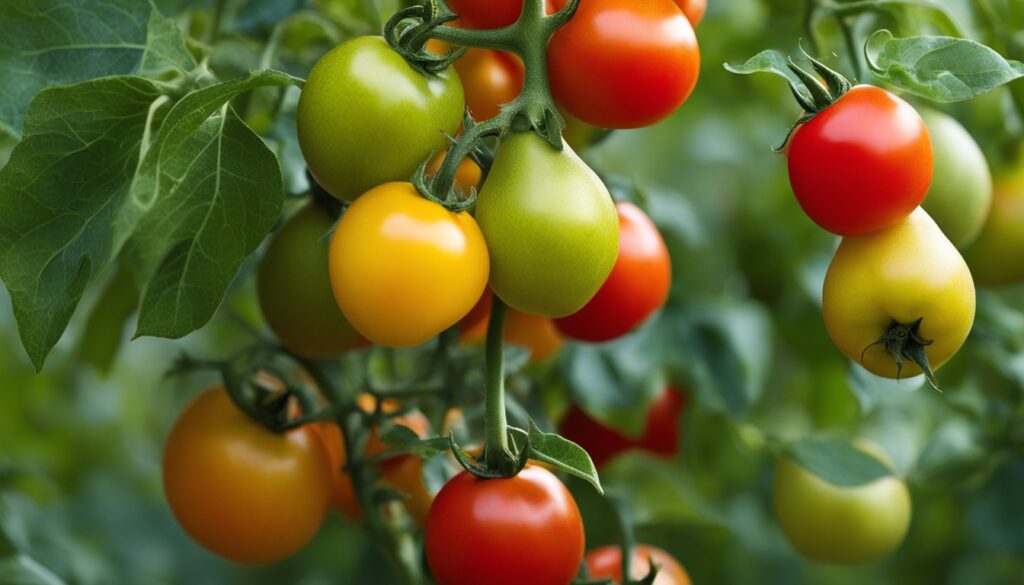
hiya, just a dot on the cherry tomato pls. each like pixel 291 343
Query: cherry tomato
pixel 961 193
pixel 484 14
pixel 524 529
pixel 863 164
pixel 997 257
pixel 661 430
pixel 403 268
pixel 490 79
pixel 294 288
pixel 906 273
pixel 550 227
pixel 623 64
pixel 694 10
pixel 606 563
pixel 241 491
pixel 840 525
pixel 361 100
pixel 636 288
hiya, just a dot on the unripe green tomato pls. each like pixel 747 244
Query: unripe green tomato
pixel 961 191
pixel 550 225
pixel 997 257
pixel 294 288
pixel 366 117
pixel 840 525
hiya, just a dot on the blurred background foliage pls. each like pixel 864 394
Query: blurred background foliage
pixel 80 443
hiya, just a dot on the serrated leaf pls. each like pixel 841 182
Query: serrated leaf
pixel 55 42
pixel 942 69
pixel 62 199
pixel 836 461
pixel 560 453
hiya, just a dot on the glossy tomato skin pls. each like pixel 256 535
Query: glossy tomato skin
pixel 960 196
pixel 623 64
pixel 997 257
pixel 490 79
pixel 840 525
pixel 485 14
pixel 294 288
pixel 233 485
pixel 693 9
pixel 606 563
pixel 359 101
pixel 637 286
pixel 906 273
pixel 403 268
pixel 661 430
pixel 550 226
pixel 524 529
pixel 863 164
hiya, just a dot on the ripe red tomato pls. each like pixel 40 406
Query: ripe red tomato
pixel 489 79
pixel 693 9
pixel 606 563
pixel 636 288
pixel 863 164
pixel 483 14
pixel 661 430
pixel 524 529
pixel 622 63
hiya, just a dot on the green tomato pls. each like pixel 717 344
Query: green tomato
pixel 294 288
pixel 961 191
pixel 550 225
pixel 997 257
pixel 840 525
pixel 366 117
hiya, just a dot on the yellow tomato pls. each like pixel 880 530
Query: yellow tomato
pixel 997 257
pixel 905 274
pixel 404 268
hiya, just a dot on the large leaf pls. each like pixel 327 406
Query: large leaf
pixel 836 461
pixel 56 42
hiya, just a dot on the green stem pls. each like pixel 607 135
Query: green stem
pixel 949 25
pixel 496 452
pixel 810 7
pixel 218 14
pixel 851 47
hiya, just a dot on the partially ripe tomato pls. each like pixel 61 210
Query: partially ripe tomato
pixel 863 164
pixel 403 268
pixel 361 100
pixel 636 288
pixel 294 288
pixel 550 227
pixel 602 443
pixel 606 563
pixel 524 529
pixel 489 79
pixel 622 63
pixel 997 257
pixel 693 9
pixel 238 489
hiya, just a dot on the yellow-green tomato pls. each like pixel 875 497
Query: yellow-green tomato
pixel 404 268
pixel 294 288
pixel 905 274
pixel 961 192
pixel 997 257
pixel 840 525
pixel 551 227
pixel 366 117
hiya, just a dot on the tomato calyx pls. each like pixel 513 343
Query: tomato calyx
pixel 904 342
pixel 509 463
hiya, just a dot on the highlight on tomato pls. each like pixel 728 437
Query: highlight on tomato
pixel 606 563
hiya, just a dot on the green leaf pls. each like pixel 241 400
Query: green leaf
pixel 942 69
pixel 55 42
pixel 101 339
pixel 63 199
pixel 771 61
pixel 836 461
pixel 560 453
pixel 24 570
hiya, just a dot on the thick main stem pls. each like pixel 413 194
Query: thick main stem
pixel 496 452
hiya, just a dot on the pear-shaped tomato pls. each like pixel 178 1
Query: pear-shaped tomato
pixel 550 225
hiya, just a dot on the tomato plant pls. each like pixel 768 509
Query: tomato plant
pixel 606 563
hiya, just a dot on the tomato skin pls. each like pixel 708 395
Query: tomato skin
pixel 863 164
pixel 844 526
pixel 485 14
pixel 524 529
pixel 637 286
pixel 661 430
pixel 606 563
pixel 906 273
pixel 997 257
pixel 550 226
pixel 960 196
pixel 623 64
pixel 490 79
pixel 232 484
pixel 360 100
pixel 294 288
pixel 694 10
pixel 403 268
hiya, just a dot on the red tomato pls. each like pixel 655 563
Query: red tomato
pixel 606 563
pixel 483 14
pixel 622 63
pixel 863 164
pixel 661 430
pixel 693 9
pixel 524 529
pixel 636 288
pixel 489 79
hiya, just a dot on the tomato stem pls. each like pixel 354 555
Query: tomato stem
pixel 496 451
